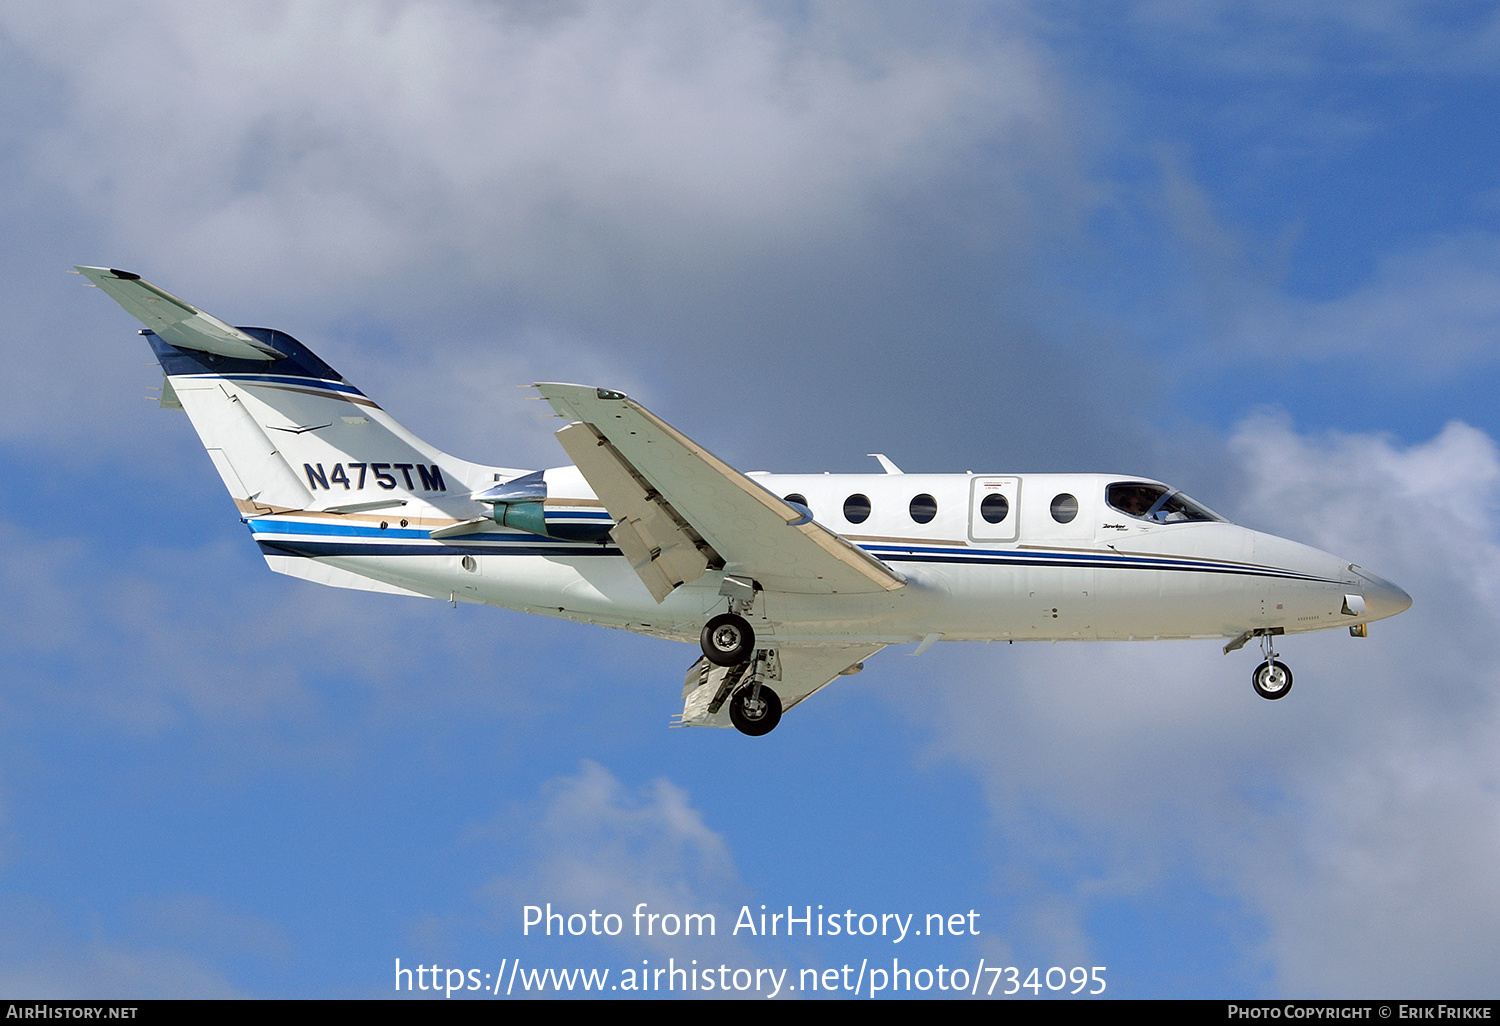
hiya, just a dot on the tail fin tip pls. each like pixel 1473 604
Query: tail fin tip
pixel 177 322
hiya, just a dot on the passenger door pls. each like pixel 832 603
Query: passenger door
pixel 994 508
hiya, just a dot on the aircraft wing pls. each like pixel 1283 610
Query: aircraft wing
pixel 180 324
pixel 799 670
pixel 680 511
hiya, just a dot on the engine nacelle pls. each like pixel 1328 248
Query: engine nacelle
pixel 521 503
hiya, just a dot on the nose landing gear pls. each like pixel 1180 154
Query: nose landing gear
pixel 1271 679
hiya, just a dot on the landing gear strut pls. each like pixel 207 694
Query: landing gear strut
pixel 753 706
pixel 1271 679
pixel 727 640
pixel 755 709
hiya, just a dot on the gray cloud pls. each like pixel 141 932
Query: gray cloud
pixel 606 144
pixel 698 200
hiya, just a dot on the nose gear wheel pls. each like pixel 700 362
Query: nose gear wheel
pixel 1272 680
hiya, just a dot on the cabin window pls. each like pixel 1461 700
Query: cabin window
pixel 994 508
pixel 1064 508
pixel 796 497
pixel 857 508
pixel 923 508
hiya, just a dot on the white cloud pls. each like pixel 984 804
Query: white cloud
pixel 1275 39
pixel 433 163
pixel 1433 312
pixel 596 844
pixel 1356 820
pixel 1399 818
pixel 1425 513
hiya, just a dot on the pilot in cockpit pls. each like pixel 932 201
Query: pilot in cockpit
pixel 1156 502
pixel 1131 499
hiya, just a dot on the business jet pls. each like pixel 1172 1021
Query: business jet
pixel 787 582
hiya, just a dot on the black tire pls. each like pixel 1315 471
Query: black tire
pixel 727 640
pixel 1271 680
pixel 755 710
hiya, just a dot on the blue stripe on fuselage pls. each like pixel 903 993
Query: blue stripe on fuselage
pixel 333 539
pixel 344 539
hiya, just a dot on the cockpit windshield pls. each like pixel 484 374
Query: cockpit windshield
pixel 1156 502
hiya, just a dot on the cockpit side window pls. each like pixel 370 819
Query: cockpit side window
pixel 1156 502
pixel 1134 498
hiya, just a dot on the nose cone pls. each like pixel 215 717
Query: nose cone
pixel 1382 598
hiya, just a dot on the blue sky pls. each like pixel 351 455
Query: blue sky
pixel 1251 248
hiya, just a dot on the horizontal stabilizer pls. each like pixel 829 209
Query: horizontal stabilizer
pixel 176 322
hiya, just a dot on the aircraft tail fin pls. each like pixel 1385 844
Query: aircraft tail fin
pixel 285 431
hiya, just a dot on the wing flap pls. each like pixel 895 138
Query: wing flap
pixel 692 512
pixel 663 549
pixel 176 322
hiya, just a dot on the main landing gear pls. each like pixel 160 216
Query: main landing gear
pixel 1271 679
pixel 755 709
pixel 727 639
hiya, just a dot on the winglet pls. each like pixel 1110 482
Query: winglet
pixel 176 322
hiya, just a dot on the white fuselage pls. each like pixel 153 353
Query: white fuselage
pixel 1102 574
